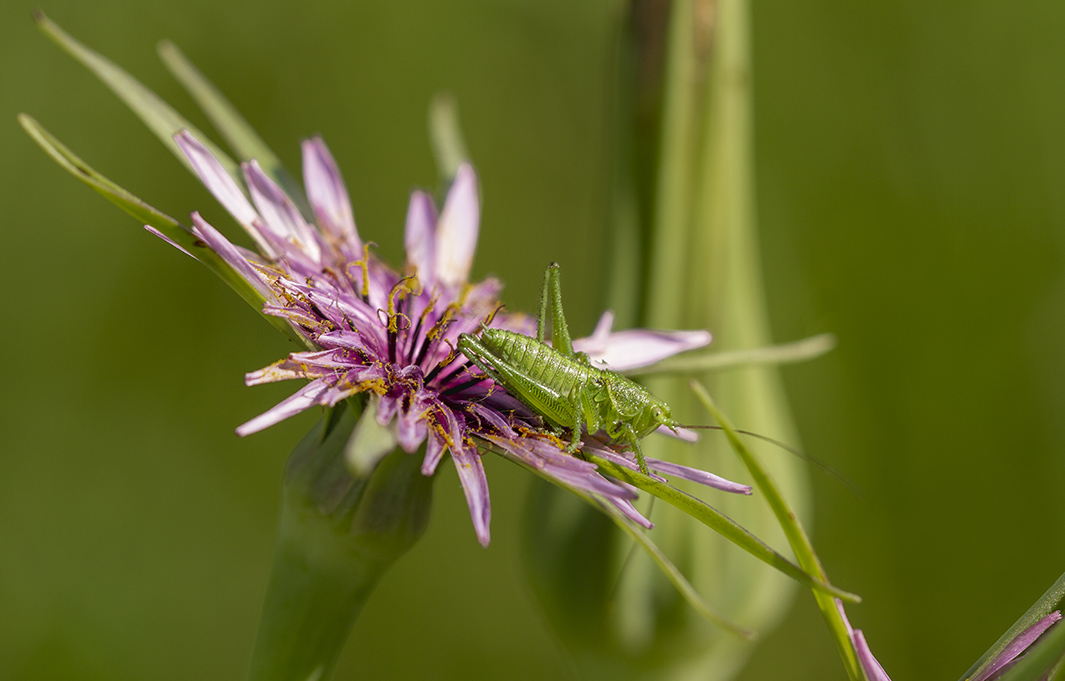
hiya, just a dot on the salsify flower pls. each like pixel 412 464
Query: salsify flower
pixel 373 330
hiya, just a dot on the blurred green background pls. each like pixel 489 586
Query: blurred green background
pixel 910 157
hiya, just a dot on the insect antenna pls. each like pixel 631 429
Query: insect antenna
pixel 825 467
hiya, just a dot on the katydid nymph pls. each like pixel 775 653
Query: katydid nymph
pixel 562 386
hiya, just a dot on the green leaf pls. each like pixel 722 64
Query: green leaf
pixel 159 116
pixel 146 214
pixel 236 130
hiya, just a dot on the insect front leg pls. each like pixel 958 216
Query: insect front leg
pixel 634 441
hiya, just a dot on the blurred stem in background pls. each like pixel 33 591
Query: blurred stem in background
pixel 683 250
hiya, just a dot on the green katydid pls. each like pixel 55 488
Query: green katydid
pixel 563 386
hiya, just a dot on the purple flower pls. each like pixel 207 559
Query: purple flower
pixel 372 330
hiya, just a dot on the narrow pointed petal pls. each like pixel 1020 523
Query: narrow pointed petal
pixel 229 253
pixel 221 184
pixel 696 475
pixel 164 237
pixel 420 238
pixel 279 213
pixel 301 400
pixel 1016 646
pixel 475 486
pixel 457 229
pixel 639 347
pixel 870 665
pixel 328 194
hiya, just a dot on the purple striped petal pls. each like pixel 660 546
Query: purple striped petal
pixel 420 238
pixel 1018 645
pixel 328 195
pixel 475 486
pixel 696 475
pixel 222 186
pixel 229 253
pixel 279 213
pixel 456 231
pixel 301 400
pixel 164 237
pixel 639 347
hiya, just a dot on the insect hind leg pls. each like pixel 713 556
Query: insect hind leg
pixel 551 296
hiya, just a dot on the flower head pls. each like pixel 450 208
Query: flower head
pixel 370 329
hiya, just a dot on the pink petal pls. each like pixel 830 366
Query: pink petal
pixel 639 347
pixel 328 194
pixel 223 186
pixel 302 400
pixel 699 476
pixel 420 238
pixel 279 213
pixel 475 486
pixel 230 254
pixel 456 231
pixel 170 241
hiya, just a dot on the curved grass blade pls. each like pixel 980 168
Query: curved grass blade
pixel 721 524
pixel 149 215
pixel 159 116
pixel 782 353
pixel 233 127
pixel 793 530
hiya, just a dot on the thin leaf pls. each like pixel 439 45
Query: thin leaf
pixel 782 353
pixel 793 530
pixel 159 116
pixel 1050 601
pixel 236 130
pixel 148 215
pixel 721 524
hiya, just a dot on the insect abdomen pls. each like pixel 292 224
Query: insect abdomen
pixel 538 361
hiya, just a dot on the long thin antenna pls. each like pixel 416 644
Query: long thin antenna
pixel 824 466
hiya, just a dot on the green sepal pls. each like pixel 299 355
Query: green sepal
pixel 1050 648
pixel 337 535
pixel 159 116
pixel 236 130
pixel 149 215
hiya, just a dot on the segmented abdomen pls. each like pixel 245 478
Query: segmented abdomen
pixel 538 361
